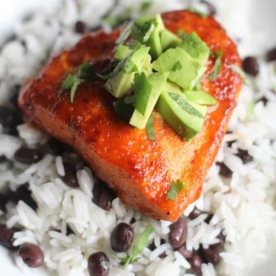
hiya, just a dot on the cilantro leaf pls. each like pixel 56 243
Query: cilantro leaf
pixel 121 65
pixel 123 108
pixel 180 33
pixel 145 6
pixel 239 71
pixel 150 129
pixel 74 89
pixel 201 14
pixel 175 189
pixel 217 66
pixel 142 33
pixel 185 105
pixel 124 35
pixel 142 89
pixel 68 82
pixel 139 247
pixel 71 82
pixel 85 71
pixel 177 66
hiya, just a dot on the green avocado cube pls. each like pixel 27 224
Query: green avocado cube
pixel 184 117
pixel 147 30
pixel 195 47
pixel 168 40
pixel 147 91
pixel 200 97
pixel 183 69
pixel 121 83
pixel 121 52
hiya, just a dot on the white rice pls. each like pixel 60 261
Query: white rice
pixel 243 207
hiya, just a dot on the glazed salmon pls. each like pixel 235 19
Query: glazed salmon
pixel 139 170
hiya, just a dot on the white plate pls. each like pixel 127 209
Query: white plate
pixel 262 20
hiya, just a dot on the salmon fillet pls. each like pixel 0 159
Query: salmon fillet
pixel 139 170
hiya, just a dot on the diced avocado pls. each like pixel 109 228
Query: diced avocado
pixel 195 47
pixel 172 87
pixel 184 70
pixel 147 91
pixel 200 97
pixel 168 40
pixel 154 43
pixel 122 52
pixel 120 84
pixel 185 118
pixel 147 30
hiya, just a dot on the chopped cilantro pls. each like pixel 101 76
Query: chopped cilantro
pixel 142 89
pixel 150 128
pixel 143 33
pixel 72 81
pixel 138 248
pixel 145 6
pixel 180 33
pixel 185 105
pixel 201 14
pixel 124 108
pixel 239 71
pixel 121 65
pixel 177 66
pixel 124 35
pixel 175 189
pixel 116 20
pixel 217 67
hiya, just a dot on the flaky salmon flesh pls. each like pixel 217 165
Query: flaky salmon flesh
pixel 139 170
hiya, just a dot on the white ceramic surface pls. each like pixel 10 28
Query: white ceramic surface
pixel 262 20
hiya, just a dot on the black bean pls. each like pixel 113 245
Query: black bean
pixel 263 99
pixel 209 218
pixel 195 213
pixel 81 27
pixel 3 201
pixel 9 119
pixel 211 8
pixel 14 95
pixel 6 236
pixel 31 255
pixel 70 178
pixel 244 156
pixel 121 237
pixel 69 231
pixel 55 147
pixel 187 254
pixel 210 256
pixel 224 170
pixel 98 264
pixel 220 244
pixel 178 233
pixel 133 220
pixel 23 193
pixel 196 262
pixel 3 159
pixel 251 66
pixel 103 196
pixel 27 155
pixel 271 55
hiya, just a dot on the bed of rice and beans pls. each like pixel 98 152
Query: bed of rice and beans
pixel 57 211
